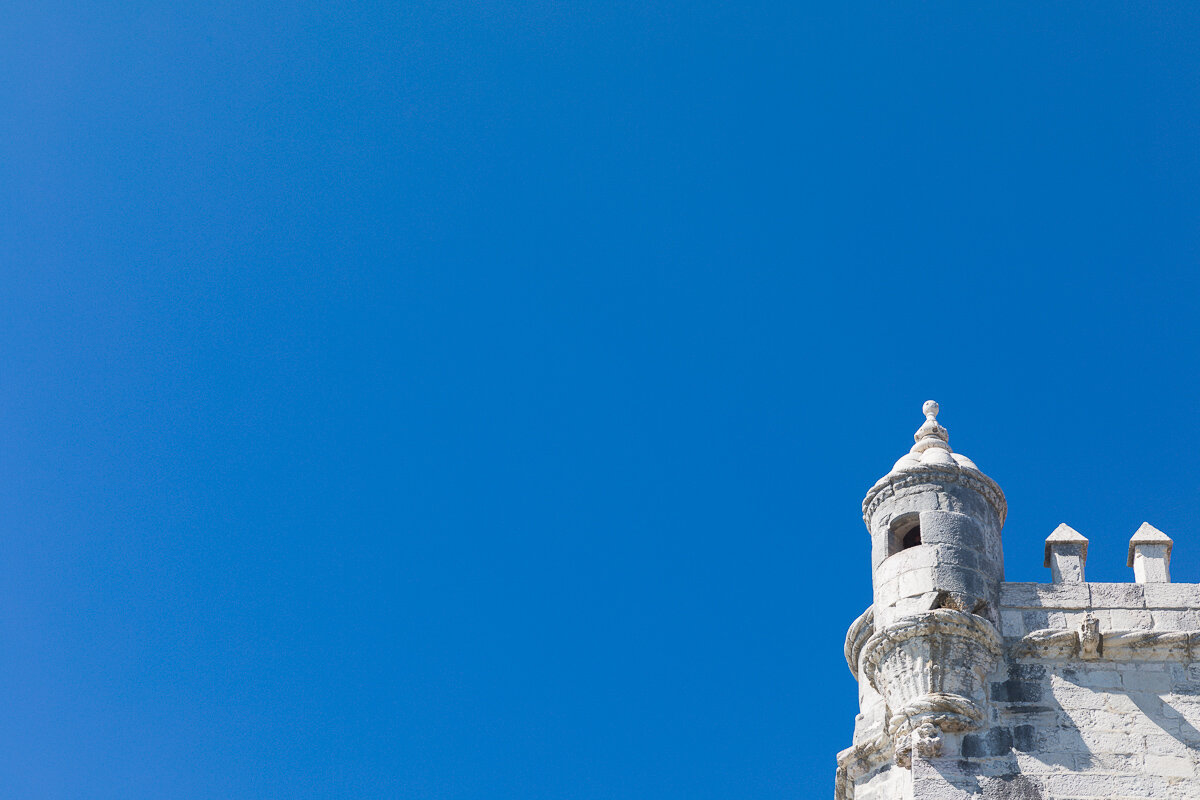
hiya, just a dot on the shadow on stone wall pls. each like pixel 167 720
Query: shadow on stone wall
pixel 1027 711
pixel 1136 699
pixel 1077 729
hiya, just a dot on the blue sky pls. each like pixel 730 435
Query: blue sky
pixel 475 400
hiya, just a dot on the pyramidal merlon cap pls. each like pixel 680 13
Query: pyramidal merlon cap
pixel 1065 534
pixel 1148 534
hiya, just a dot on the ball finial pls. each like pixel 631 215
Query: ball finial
pixel 930 434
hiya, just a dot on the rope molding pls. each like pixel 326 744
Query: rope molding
pixel 933 473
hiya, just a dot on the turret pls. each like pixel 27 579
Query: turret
pixel 935 523
pixel 937 565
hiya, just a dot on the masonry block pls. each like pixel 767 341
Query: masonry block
pixel 1117 595
pixel 1172 595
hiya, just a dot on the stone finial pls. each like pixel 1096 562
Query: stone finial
pixel 1150 555
pixel 1066 553
pixel 930 434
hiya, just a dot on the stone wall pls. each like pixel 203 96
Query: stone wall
pixel 1115 714
pixel 1123 721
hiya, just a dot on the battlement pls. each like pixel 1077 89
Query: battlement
pixel 1153 620
pixel 1149 555
pixel 1150 604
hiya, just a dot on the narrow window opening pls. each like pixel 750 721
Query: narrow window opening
pixel 905 532
pixel 912 538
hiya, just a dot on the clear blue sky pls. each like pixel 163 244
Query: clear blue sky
pixel 474 400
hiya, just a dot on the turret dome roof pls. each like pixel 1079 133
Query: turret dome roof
pixel 931 457
pixel 932 445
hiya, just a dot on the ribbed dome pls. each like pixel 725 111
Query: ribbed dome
pixel 931 455
pixel 932 445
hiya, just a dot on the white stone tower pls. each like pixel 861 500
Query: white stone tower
pixel 971 687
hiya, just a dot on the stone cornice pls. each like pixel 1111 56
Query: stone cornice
pixel 1118 645
pixel 934 473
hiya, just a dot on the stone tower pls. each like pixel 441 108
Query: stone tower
pixel 973 687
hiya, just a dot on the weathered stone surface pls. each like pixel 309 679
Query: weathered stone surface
pixel 1046 595
pixel 1172 595
pixel 1116 595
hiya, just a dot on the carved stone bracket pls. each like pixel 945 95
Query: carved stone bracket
pixel 926 743
pixel 1051 643
pixel 931 668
